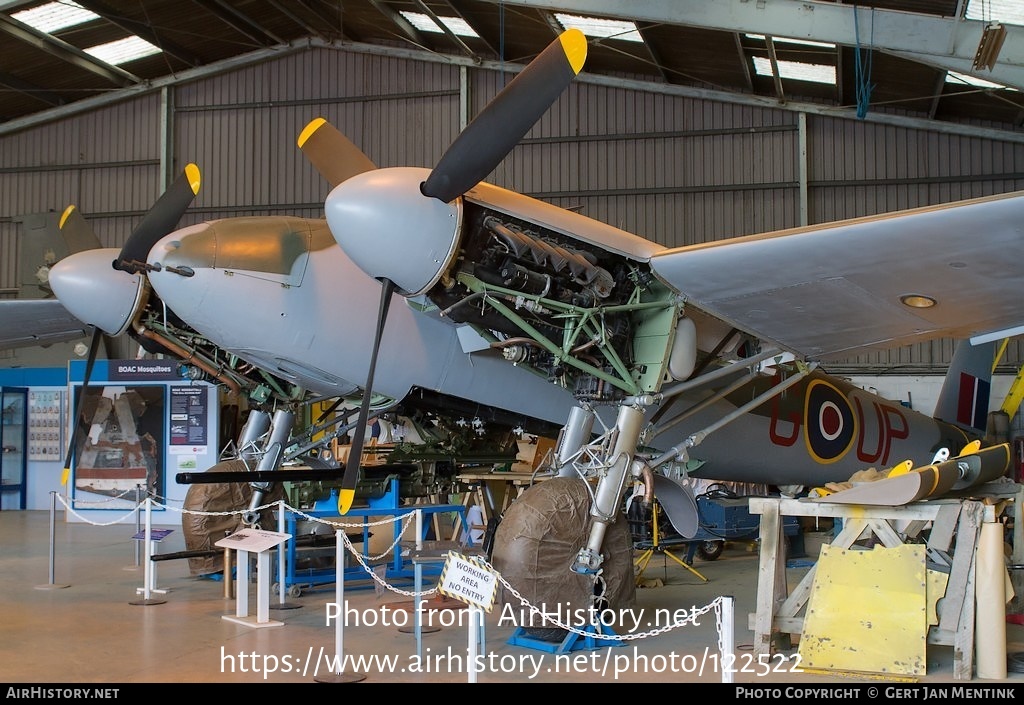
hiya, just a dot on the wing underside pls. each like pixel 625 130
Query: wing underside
pixel 32 322
pixel 836 290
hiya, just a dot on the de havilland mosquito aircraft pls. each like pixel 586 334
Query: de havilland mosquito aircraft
pixel 658 364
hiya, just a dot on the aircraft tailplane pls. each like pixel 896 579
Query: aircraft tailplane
pixel 964 397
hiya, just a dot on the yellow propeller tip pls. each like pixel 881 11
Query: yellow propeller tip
pixel 64 476
pixel 309 129
pixel 64 216
pixel 901 469
pixel 574 45
pixel 972 447
pixel 345 498
pixel 193 176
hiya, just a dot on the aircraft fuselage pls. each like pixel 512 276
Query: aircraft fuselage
pixel 279 293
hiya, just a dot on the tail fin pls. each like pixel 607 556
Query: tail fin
pixel 964 397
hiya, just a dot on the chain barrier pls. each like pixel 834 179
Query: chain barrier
pixel 690 619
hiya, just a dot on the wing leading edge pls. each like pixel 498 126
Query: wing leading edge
pixel 835 289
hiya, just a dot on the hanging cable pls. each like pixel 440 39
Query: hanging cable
pixel 862 66
pixel 501 36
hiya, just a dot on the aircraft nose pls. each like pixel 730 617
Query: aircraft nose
pixel 88 286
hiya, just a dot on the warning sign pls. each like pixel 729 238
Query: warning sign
pixel 468 580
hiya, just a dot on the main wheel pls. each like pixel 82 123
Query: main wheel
pixel 710 550
pixel 536 542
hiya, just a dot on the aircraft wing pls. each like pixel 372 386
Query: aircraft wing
pixel 30 322
pixel 835 289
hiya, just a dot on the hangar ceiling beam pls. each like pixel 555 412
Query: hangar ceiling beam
pixel 239 21
pixel 66 52
pixel 184 77
pixel 283 9
pixel 943 42
pixel 41 94
pixel 141 30
pixel 642 27
pixel 332 15
pixel 471 21
pixel 410 32
pixel 455 39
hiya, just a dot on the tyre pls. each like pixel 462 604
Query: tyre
pixel 710 550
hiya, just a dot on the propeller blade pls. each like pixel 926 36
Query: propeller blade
pixel 502 124
pixel 331 153
pixel 94 347
pixel 347 492
pixel 160 220
pixel 77 233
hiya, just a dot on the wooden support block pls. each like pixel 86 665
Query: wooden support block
pixel 944 526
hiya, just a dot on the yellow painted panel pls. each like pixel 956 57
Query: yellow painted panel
pixel 868 611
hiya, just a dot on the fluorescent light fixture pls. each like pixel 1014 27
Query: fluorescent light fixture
pixel 790 40
pixel 123 50
pixel 605 29
pixel 55 16
pixel 424 23
pixel 816 73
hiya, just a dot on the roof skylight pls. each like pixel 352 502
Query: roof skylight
pixel 605 29
pixel 55 16
pixel 123 50
pixel 790 40
pixel 1006 11
pixel 816 73
pixel 424 23
pixel 963 78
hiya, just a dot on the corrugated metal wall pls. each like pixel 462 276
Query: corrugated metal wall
pixel 674 169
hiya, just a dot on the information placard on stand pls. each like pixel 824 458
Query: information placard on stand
pixel 259 542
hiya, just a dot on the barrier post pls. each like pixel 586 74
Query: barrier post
pixel 148 539
pixel 138 521
pixel 728 638
pixel 281 556
pixel 339 676
pixel 53 518
pixel 475 622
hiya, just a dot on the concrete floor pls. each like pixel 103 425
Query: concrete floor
pixel 91 632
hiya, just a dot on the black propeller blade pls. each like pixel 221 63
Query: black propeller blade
pixel 348 483
pixel 94 347
pixel 160 220
pixel 498 128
